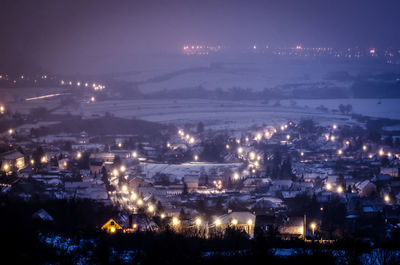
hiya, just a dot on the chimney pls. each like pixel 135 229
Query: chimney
pixel 130 221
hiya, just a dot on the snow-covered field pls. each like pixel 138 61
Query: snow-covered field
pixel 217 114
pixel 187 169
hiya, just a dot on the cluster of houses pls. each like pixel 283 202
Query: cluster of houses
pixel 244 191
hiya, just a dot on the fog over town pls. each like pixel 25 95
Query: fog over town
pixel 207 132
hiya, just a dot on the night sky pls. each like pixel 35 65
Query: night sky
pixel 45 33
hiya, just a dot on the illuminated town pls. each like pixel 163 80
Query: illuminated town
pixel 200 133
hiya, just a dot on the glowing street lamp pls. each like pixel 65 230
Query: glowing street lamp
pixel 328 186
pixel 302 153
pixel 313 227
pixel 288 137
pixel 240 150
pixel 6 167
pixel 218 222
pixel 196 157
pixel 2 109
pixel 134 154
pixel 236 176
pixel 364 148
pixel 334 126
pixel 249 222
pixel 175 221
pixel 227 146
pixel 124 188
pixel 162 216
pixel 92 99
pixel 332 138
pixel 339 189
pixel 140 202
pixel 151 208
pixel 115 172
pixel 122 168
pixel 234 221
pixel 381 152
pixel 133 196
pixel 198 221
pixel 252 155
pixel 79 155
pixel 340 152
pixel 386 198
pixel 10 131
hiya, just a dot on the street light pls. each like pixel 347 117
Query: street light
pixel 339 189
pixel 218 222
pixel 240 150
pixel 313 226
pixel 175 221
pixel 328 186
pixel 234 221
pixel 252 155
pixel 387 198
pixel 198 221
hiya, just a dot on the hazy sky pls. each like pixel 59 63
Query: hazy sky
pixel 51 32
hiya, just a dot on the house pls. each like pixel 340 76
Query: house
pixel 42 215
pixel 266 223
pixel 96 166
pixel 12 159
pixel 106 157
pixel 137 182
pixel 281 184
pixel 111 226
pixel 63 164
pixel 129 223
pixel 292 227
